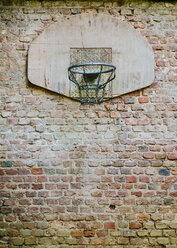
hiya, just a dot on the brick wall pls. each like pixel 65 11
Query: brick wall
pixel 87 176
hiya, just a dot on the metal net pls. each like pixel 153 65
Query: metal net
pixel 91 80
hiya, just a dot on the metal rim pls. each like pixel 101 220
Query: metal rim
pixel 72 67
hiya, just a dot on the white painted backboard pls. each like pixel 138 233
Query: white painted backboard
pixel 49 54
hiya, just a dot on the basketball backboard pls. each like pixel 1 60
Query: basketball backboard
pixel 89 38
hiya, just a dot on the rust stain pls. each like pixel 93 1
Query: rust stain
pixel 45 81
pixel 45 62
pixel 137 33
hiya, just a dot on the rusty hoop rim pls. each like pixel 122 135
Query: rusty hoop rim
pixel 72 68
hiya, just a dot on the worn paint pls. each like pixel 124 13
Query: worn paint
pixel 131 53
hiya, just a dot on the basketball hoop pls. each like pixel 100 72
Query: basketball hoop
pixel 91 80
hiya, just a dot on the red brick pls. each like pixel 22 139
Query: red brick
pixel 97 194
pixel 148 155
pixel 172 156
pixel 122 193
pixel 6 210
pixel 153 40
pixel 30 179
pixel 30 193
pixel 110 193
pixel 36 171
pixel 165 186
pixel 106 179
pixel 5 179
pixel 22 171
pixel 37 186
pixel 24 202
pixel 11 172
pixel 127 186
pixel 156 48
pixel 173 194
pixel 2 186
pixel 103 217
pixel 43 194
pixel 24 186
pixel 38 202
pixel 173 107
pixel 161 63
pixel 170 179
pixel 131 179
pixel 168 149
pixel 138 171
pixel 160 156
pixel 174 171
pixel 114 185
pixel 129 201
pixel 137 193
pixel 64 201
pixel 144 179
pixel 52 201
pixel 42 179
pixel 143 217
pixel 50 186
pixel 109 225
pixel 89 233
pixel 55 193
pixel 102 233
pixel 77 233
pixel 142 201
pixel 67 179
pixel 143 122
pixel 155 148
pixel 75 186
pixel 114 114
pixel 143 99
pixel 131 122
pixel 9 202
pixel 135 225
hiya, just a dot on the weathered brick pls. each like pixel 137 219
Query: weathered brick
pixel 37 186
pixel 149 155
pixel 109 225
pixel 18 241
pixel 135 225
pixel 97 194
pixel 123 241
pixel 96 241
pixel 78 175
pixel 36 171
pixel 77 233
pixel 172 156
pixel 102 233
pixel 131 179
pixel 156 233
pixel 30 241
pixel 163 241
pixel 143 99
pixel 89 233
